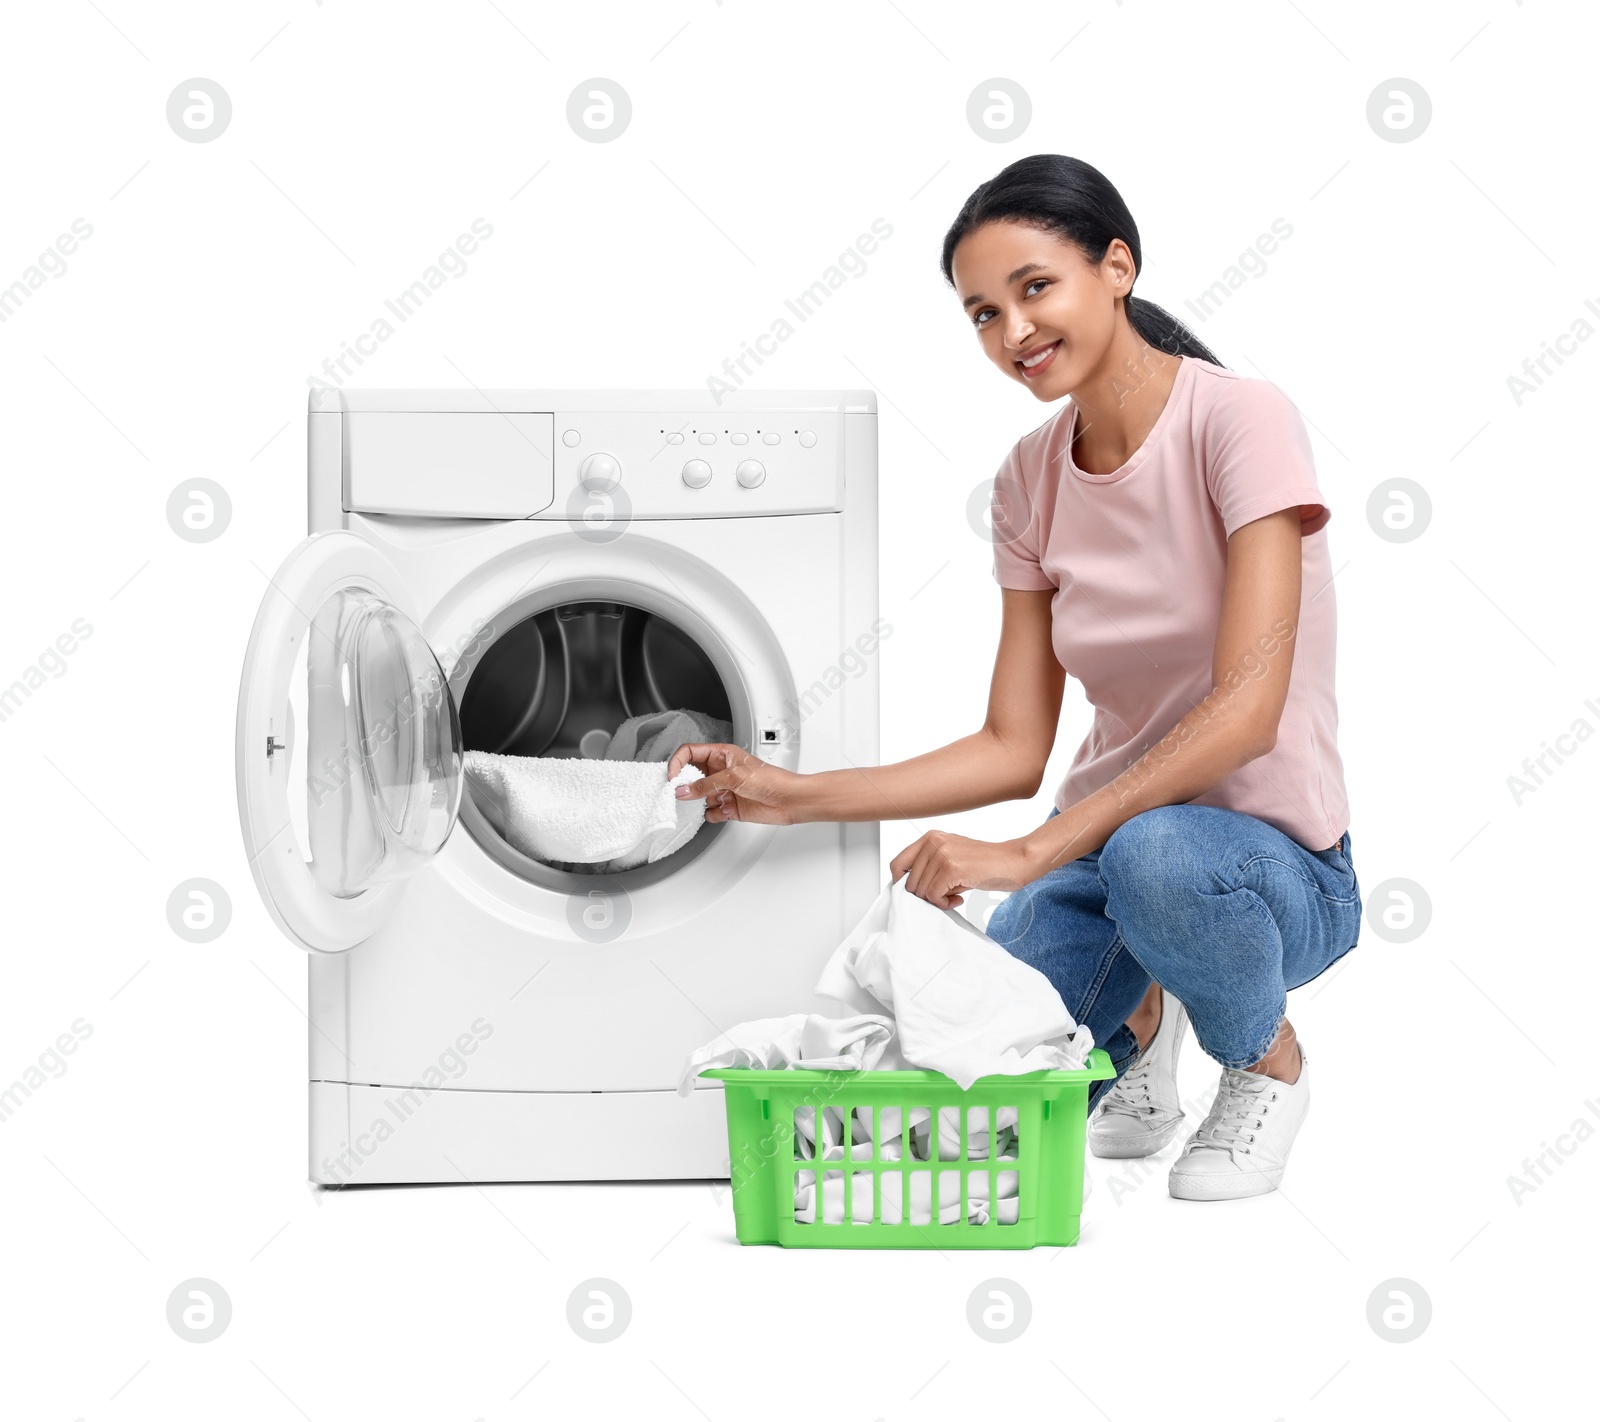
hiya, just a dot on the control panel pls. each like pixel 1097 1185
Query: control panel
pixel 588 464
pixel 699 466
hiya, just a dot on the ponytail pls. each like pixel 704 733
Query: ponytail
pixel 1165 331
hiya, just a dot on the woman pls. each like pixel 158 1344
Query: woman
pixel 1161 538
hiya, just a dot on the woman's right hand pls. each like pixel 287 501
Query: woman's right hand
pixel 737 785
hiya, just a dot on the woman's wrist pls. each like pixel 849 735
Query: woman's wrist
pixel 1059 840
pixel 800 798
pixel 1034 857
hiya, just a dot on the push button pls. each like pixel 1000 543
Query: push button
pixel 697 473
pixel 738 439
pixel 770 437
pixel 674 438
pixel 600 472
pixel 807 439
pixel 570 438
pixel 706 437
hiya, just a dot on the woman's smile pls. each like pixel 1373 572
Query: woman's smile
pixel 1034 361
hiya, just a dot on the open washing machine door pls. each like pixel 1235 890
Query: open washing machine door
pixel 348 744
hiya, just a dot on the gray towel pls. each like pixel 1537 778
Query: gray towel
pixel 657 735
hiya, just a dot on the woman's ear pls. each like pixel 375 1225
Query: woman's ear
pixel 1117 268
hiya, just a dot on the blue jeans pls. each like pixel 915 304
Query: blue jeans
pixel 1224 911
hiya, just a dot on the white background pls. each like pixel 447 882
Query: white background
pixel 764 139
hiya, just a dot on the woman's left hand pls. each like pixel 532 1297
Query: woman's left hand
pixel 941 867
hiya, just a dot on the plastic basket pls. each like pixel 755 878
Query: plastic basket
pixel 873 1190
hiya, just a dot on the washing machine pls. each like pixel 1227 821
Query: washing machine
pixel 518 572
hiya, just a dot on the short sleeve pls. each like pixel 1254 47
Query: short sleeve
pixel 1258 458
pixel 1014 530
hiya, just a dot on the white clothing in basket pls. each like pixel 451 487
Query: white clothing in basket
pixel 956 1001
pixel 800 1040
pixel 961 1004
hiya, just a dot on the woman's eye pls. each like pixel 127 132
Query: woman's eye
pixel 982 319
pixel 1036 282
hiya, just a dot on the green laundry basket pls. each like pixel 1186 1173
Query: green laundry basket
pixel 1024 1189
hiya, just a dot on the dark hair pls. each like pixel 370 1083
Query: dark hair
pixel 1077 202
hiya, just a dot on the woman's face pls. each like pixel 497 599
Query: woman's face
pixel 1044 314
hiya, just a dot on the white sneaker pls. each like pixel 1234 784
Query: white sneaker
pixel 1243 1144
pixel 1141 1114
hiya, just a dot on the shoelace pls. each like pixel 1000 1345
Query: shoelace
pixel 1237 1113
pixel 1131 1096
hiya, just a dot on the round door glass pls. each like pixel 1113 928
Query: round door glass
pixel 382 754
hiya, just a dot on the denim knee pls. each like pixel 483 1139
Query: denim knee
pixel 1213 946
pixel 1151 857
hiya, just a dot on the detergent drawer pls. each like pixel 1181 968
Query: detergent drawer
pixel 438 464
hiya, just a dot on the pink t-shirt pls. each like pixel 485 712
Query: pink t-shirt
pixel 1137 558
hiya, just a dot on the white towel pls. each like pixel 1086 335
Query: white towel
pixel 961 1004
pixel 577 811
pixel 800 1040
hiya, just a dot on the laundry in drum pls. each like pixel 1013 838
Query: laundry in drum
pixel 612 806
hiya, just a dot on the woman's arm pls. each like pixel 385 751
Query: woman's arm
pixel 1005 760
pixel 1232 725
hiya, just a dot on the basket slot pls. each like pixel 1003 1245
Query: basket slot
pixel 862 1140
pixel 896 1194
pixel 963 1125
pixel 891 1144
pixel 1008 1147
pixel 1006 1198
pixel 921 1188
pixel 980 1143
pixel 980 1186
pixel 906 1113
pixel 805 1204
pixel 804 1129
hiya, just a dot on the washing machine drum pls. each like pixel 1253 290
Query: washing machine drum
pixel 560 682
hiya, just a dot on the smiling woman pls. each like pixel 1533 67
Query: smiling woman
pixel 1161 538
pixel 1095 254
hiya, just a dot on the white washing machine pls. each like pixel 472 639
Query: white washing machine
pixel 509 571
